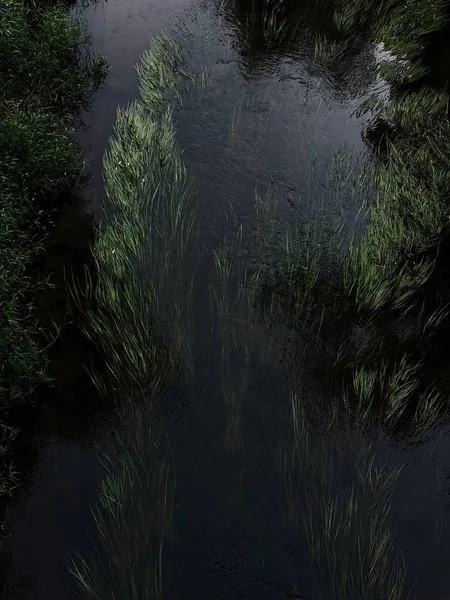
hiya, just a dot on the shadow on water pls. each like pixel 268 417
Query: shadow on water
pixel 251 455
pixel 55 447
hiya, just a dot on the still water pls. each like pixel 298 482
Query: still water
pixel 267 124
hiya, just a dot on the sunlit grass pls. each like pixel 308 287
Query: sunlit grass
pixel 47 76
pixel 162 70
pixel 139 293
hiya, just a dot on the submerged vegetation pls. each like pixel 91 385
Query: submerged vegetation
pixel 136 311
pixel 132 516
pixel 46 78
pixel 410 214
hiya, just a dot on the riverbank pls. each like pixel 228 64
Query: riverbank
pixel 47 78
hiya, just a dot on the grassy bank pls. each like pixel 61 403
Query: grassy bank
pixel 46 78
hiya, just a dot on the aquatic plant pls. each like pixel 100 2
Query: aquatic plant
pixel 132 514
pixel 392 394
pixel 327 51
pixel 137 310
pixel 232 289
pixel 300 264
pixel 163 71
pixel 139 293
pixel 342 505
pixel 409 216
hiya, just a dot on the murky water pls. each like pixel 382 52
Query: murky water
pixel 267 123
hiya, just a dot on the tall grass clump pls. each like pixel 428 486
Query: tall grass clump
pixel 410 215
pixel 139 292
pixel 44 59
pixel 136 307
pixel 390 394
pixel 300 265
pixel 403 29
pixel 47 76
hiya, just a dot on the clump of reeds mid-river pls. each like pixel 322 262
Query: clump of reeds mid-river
pixel 137 313
pixel 361 305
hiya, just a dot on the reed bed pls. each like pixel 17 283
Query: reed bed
pixel 138 300
pixel 137 311
pixel 132 514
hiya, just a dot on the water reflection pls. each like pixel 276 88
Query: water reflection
pixel 270 32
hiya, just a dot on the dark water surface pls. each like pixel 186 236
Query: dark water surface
pixel 270 123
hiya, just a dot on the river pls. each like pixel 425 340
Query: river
pixel 268 122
